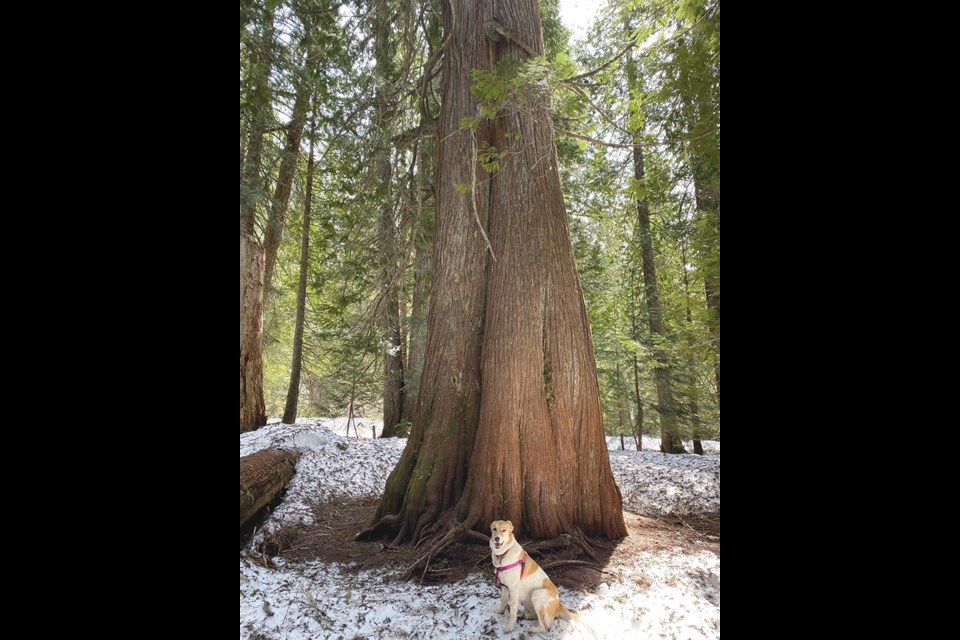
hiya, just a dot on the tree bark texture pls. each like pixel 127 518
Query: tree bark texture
pixel 259 115
pixel 252 413
pixel 288 165
pixel 389 277
pixel 293 391
pixel 423 250
pixel 508 422
pixel 638 430
pixel 390 272
pixel 262 476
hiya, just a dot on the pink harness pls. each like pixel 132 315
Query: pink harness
pixel 522 562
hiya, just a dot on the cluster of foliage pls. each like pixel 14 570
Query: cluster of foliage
pixel 672 108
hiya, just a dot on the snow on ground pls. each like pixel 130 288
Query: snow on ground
pixel 654 483
pixel 654 594
pixel 332 467
pixel 360 427
pixel 657 596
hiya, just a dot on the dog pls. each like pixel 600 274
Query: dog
pixel 521 579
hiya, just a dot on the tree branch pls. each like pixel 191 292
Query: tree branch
pixel 494 30
pixel 427 130
pixel 606 64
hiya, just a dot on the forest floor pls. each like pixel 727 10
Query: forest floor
pixel 302 575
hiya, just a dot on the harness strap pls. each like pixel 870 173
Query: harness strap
pixel 522 563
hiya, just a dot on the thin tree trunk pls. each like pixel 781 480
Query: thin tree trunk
pixel 392 353
pixel 526 444
pixel 389 274
pixel 670 441
pixel 636 388
pixel 711 282
pixel 692 363
pixel 259 98
pixel 350 415
pixel 708 205
pixel 293 391
pixel 288 164
pixel 623 403
pixel 252 414
pixel 244 125
pixel 262 476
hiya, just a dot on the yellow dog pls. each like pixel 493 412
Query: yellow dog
pixel 521 579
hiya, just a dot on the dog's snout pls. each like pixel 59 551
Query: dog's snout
pixel 496 539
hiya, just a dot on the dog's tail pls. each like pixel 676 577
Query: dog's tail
pixel 566 614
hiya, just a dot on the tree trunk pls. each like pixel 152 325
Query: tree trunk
pixel 623 403
pixel 708 209
pixel 293 391
pixel 694 406
pixel 508 422
pixel 389 272
pixel 288 165
pixel 262 476
pixel 636 388
pixel 707 206
pixel 670 441
pixel 392 353
pixel 425 193
pixel 423 249
pixel 259 107
pixel 252 414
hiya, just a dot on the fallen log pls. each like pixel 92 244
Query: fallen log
pixel 262 475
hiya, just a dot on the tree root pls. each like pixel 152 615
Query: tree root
pixel 565 540
pixel 423 562
pixel 476 535
pixel 373 530
pixel 443 532
pixel 585 544
pixel 437 537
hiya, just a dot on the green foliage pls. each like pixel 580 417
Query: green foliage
pixel 672 95
pixel 489 157
pixel 518 85
pixel 491 89
pixel 555 35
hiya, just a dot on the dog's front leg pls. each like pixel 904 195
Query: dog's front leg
pixel 504 594
pixel 512 616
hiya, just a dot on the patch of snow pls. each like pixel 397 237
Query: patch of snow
pixel 331 467
pixel 364 426
pixel 654 483
pixel 667 594
pixel 657 595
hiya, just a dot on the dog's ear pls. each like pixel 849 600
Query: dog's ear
pixel 510 524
